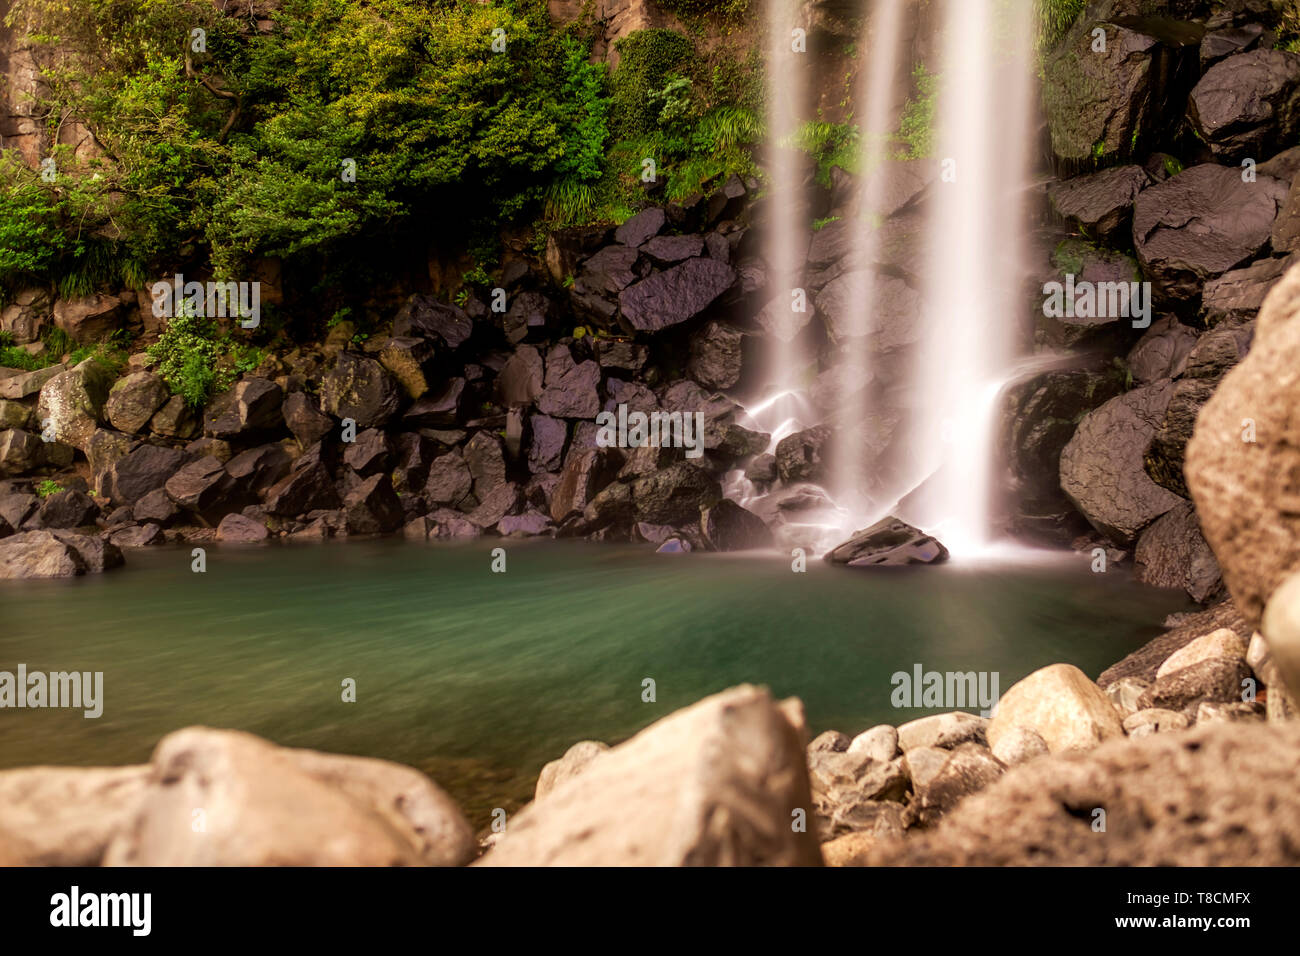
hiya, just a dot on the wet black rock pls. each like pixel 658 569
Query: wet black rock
pixel 888 542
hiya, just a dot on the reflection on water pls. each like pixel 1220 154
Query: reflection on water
pixel 479 678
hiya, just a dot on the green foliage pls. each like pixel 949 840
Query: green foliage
pixel 648 60
pixel 916 125
pixel 48 487
pixel 187 356
pixel 1055 17
pixel 13 357
pixel 820 224
pixel 725 9
pixel 830 144
pixel 1173 166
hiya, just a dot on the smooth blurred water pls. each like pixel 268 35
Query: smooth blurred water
pixel 479 678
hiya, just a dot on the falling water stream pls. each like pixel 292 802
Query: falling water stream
pixel 943 458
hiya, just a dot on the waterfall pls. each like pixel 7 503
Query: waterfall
pixel 936 467
pixel 974 271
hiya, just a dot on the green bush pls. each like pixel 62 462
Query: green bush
pixel 648 60
pixel 916 125
pixel 1055 17
pixel 187 356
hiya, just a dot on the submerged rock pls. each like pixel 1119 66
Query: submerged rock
pixel 888 542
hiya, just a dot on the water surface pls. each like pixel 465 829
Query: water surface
pixel 479 678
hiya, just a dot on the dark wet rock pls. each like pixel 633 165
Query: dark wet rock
pixel 609 271
pixel 257 469
pixel 38 554
pixel 25 384
pixel 717 357
pixel 1102 468
pixel 527 525
pixel 203 487
pixel 138 536
pixel 134 400
pixel 529 313
pixel 369 454
pixel 20 452
pixel 668 250
pixel 361 389
pixel 17 507
pixel 175 420
pixel 1100 204
pixel 1166 453
pixel 1172 553
pixel 676 295
pixel 1222 43
pixel 372 507
pixel 218 448
pixel 1248 104
pixel 1286 228
pixel 306 421
pixel 236 528
pixel 503 500
pixel 1200 224
pixel 520 379
pixel 156 508
pixel 449 525
pixel 571 390
pixel 729 527
pixel 674 545
pixel 888 542
pixel 1102 268
pixel 449 481
pixel 67 509
pixel 612 507
pixel 412 456
pixel 565 247
pixel 641 227
pixel 675 495
pixel 620 354
pixel 251 409
pixel 485 458
pixel 802 455
pixel 440 408
pixel 1162 351
pixel 308 487
pixel 96 554
pixel 425 317
pixel 142 470
pixel 546 443
pixel 586 472
pixel 14 414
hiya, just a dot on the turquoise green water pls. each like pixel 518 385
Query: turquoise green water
pixel 479 678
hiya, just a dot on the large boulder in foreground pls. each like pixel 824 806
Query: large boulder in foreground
pixel 65 816
pixel 715 784
pixel 1103 469
pixel 1218 795
pixel 72 403
pixel 1061 705
pixel 890 541
pixel 1243 462
pixel 264 805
